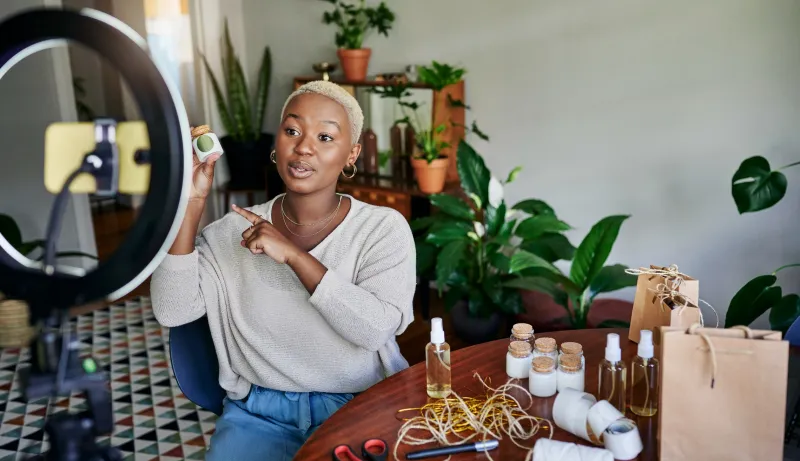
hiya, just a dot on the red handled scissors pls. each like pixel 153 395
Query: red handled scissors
pixel 371 450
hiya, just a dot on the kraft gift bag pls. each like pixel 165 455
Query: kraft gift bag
pixel 661 294
pixel 723 394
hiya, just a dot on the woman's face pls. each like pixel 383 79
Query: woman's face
pixel 314 144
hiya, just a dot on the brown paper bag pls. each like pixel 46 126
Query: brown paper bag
pixel 652 307
pixel 742 416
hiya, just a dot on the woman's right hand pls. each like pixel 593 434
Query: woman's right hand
pixel 202 174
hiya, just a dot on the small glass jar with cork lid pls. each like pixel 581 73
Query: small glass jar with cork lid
pixel 542 379
pixel 522 332
pixel 545 347
pixel 570 372
pixel 518 359
pixel 570 347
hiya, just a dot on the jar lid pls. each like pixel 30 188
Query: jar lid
pixel 571 348
pixel 545 344
pixel 519 349
pixel 570 362
pixel 522 329
pixel 542 364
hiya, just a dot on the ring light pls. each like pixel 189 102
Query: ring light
pixel 163 112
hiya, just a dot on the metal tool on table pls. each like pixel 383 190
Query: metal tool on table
pixel 371 450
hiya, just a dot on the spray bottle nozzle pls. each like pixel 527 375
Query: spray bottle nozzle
pixel 645 344
pixel 613 352
pixel 437 332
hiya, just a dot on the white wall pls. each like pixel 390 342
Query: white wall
pixel 36 92
pixel 614 107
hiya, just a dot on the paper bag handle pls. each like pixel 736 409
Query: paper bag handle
pixel 738 331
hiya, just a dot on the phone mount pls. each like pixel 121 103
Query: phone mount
pixel 50 289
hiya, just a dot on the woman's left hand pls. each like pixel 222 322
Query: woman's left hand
pixel 262 237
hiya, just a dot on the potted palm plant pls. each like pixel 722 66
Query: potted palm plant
pixel 353 23
pixel 246 146
pixel 15 330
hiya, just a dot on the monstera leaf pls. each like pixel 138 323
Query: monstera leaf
pixel 752 300
pixel 756 187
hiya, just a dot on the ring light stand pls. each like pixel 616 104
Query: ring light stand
pixel 56 367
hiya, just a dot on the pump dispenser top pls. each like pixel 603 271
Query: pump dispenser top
pixel 437 332
pixel 613 352
pixel 645 350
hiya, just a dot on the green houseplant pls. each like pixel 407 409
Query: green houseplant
pixel 354 22
pixel 246 146
pixel 484 251
pixel 756 187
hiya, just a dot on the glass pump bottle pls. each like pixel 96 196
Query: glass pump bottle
pixel 612 375
pixel 437 362
pixel 644 378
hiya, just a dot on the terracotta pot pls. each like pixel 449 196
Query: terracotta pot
pixel 430 176
pixel 354 63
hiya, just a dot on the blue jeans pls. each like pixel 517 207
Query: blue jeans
pixel 269 424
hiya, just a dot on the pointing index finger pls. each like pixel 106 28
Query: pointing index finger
pixel 247 214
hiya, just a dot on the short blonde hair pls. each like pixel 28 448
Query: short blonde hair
pixel 340 95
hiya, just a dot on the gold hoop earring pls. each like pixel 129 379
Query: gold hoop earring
pixel 355 170
pixel 272 156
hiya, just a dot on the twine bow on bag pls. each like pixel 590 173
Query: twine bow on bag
pixel 668 294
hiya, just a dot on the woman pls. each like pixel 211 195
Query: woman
pixel 304 294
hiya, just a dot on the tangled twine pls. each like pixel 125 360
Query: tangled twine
pixel 468 418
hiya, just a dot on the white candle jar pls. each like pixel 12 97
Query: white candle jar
pixel 571 373
pixel 542 379
pixel 518 359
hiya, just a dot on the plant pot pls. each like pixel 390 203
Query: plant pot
pixel 471 329
pixel 15 329
pixel 354 62
pixel 430 176
pixel 247 162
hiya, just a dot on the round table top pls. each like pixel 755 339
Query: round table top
pixel 373 413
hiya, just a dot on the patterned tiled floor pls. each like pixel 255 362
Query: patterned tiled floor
pixel 154 421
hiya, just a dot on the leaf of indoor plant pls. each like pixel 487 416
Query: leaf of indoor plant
pixel 473 172
pixel 448 260
pixel 535 207
pixel 452 206
pixel 445 232
pixel 550 246
pixel 612 278
pixel 755 186
pixel 752 300
pixel 784 313
pixel 536 226
pixel 594 250
pixel 495 218
pixel 522 260
pixel 426 256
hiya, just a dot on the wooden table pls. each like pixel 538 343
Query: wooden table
pixel 373 412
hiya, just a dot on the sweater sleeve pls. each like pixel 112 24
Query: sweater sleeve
pixel 379 304
pixel 183 285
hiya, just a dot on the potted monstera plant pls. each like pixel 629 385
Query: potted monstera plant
pixel 756 187
pixel 353 23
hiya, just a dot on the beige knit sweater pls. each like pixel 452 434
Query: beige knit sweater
pixel 269 331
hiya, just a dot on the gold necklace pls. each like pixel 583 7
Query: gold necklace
pixel 285 216
pixel 329 219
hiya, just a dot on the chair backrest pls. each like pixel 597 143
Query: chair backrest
pixel 194 362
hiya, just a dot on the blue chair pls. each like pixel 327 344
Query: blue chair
pixel 793 333
pixel 194 362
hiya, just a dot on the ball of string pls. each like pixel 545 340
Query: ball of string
pixel 454 420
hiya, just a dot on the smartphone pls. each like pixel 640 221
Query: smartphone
pixel 66 144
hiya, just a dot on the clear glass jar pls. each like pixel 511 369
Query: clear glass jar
pixel 571 373
pixel 572 348
pixel 522 332
pixel 518 359
pixel 545 347
pixel 542 379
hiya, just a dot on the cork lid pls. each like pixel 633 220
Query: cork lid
pixel 520 349
pixel 571 348
pixel 543 364
pixel 200 130
pixel 522 330
pixel 545 344
pixel 570 362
